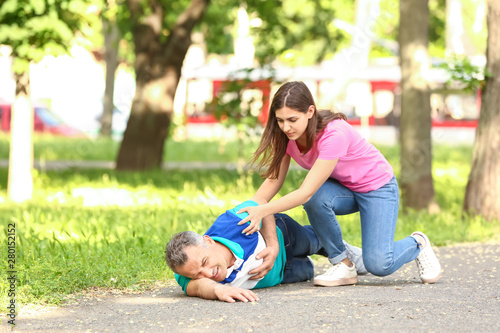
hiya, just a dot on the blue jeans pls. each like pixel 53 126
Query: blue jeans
pixel 378 211
pixel 300 242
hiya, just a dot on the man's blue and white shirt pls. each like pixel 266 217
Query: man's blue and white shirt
pixel 226 230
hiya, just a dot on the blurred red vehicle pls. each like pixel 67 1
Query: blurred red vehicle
pixel 45 122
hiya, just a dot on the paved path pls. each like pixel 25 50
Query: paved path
pixel 466 299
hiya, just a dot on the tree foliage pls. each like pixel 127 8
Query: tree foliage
pixel 35 28
pixel 388 22
pixel 300 32
pixel 468 76
pixel 301 28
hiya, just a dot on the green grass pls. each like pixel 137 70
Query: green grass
pixel 64 244
pixel 53 148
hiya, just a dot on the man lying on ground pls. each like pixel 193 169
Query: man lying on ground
pixel 225 263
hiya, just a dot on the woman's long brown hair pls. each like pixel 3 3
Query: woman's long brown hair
pixel 294 95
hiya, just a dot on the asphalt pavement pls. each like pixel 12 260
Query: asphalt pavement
pixel 466 299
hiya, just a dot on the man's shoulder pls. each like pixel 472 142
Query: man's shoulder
pixel 230 218
pixel 248 203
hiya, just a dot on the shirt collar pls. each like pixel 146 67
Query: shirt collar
pixel 237 264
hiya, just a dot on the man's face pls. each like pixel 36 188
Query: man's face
pixel 204 262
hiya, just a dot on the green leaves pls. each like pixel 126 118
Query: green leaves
pixel 470 77
pixel 8 6
pixel 302 28
pixel 13 33
pixel 38 6
pixel 35 28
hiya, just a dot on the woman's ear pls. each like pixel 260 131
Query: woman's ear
pixel 310 111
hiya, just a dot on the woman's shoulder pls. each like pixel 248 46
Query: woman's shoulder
pixel 337 125
pixel 337 129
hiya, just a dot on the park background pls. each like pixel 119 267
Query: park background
pixel 174 147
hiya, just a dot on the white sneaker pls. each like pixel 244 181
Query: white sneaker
pixel 428 265
pixel 337 275
pixel 355 254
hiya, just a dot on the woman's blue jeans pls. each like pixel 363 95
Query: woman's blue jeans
pixel 300 242
pixel 378 211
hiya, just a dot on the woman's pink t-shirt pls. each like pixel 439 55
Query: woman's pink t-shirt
pixel 360 167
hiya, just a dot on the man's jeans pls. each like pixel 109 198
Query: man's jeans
pixel 378 211
pixel 300 241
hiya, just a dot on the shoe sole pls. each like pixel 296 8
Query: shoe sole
pixel 341 282
pixel 432 280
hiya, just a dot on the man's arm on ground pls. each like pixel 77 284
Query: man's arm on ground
pixel 209 289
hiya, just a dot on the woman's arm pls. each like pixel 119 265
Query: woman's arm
pixel 319 173
pixel 270 187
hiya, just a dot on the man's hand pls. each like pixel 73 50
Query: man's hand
pixel 232 294
pixel 272 250
pixel 269 255
pixel 209 289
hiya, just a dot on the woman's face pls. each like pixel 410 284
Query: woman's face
pixel 294 123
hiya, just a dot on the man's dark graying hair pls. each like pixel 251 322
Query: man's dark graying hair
pixel 175 256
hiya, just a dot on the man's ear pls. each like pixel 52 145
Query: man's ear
pixel 208 239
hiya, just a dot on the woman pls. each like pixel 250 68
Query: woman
pixel 346 174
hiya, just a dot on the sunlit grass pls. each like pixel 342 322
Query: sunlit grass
pixel 88 228
pixel 54 148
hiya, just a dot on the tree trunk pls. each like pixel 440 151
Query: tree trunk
pixel 20 181
pixel 158 70
pixel 482 195
pixel 111 39
pixel 416 157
